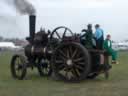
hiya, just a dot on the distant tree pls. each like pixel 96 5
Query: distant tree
pixel 1 38
pixel 126 40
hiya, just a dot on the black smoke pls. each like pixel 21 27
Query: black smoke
pixel 24 7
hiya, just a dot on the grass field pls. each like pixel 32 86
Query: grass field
pixel 117 85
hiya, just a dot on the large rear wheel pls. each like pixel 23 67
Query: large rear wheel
pixel 71 62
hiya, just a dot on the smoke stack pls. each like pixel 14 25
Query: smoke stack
pixel 32 27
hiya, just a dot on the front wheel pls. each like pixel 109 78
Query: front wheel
pixel 18 67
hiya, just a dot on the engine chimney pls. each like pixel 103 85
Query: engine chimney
pixel 32 27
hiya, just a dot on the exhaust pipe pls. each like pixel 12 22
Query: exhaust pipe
pixel 32 27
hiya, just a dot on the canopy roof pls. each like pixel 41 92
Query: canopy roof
pixel 7 44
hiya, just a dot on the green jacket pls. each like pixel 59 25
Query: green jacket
pixel 107 44
pixel 88 41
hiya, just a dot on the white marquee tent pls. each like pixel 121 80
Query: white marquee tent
pixel 7 45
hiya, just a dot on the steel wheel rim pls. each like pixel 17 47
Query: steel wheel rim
pixel 74 69
pixel 46 70
pixel 18 66
pixel 58 36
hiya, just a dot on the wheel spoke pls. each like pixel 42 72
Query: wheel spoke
pixel 19 67
pixel 80 63
pixel 17 61
pixel 58 35
pixel 74 73
pixel 68 54
pixel 79 67
pixel 19 72
pixel 70 51
pixel 61 66
pixel 58 61
pixel 66 74
pixel 79 59
pixel 74 53
pixel 17 64
pixel 65 32
pixel 62 58
pixel 62 53
pixel 77 72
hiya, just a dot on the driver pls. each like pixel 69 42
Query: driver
pixel 88 36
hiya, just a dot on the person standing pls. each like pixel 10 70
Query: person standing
pixel 99 35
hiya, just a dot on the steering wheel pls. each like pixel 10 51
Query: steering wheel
pixel 60 32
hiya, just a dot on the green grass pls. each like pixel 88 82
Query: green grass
pixel 117 85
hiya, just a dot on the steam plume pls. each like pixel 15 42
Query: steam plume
pixel 24 7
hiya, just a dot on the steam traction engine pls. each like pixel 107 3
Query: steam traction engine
pixel 59 52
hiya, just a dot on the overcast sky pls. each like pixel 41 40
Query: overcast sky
pixel 76 14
